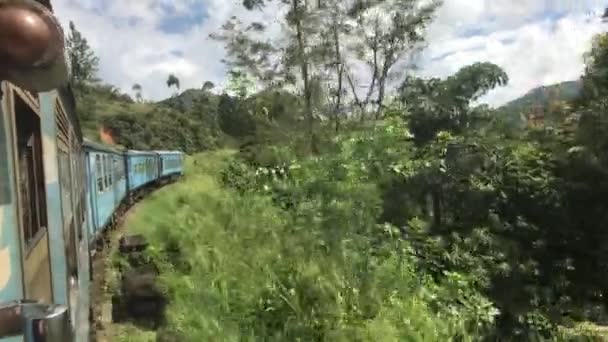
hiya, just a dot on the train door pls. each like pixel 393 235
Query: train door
pixel 32 202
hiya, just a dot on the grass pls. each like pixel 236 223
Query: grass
pixel 243 270
pixel 237 268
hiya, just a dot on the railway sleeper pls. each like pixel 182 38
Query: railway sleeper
pixel 132 243
pixel 140 299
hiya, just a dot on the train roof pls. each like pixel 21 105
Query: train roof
pixel 91 145
pixel 136 152
pixel 169 152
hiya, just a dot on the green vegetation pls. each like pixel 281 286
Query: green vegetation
pixel 258 272
pixel 405 215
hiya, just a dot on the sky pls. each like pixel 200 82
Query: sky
pixel 537 42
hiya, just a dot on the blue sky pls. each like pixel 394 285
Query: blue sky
pixel 142 41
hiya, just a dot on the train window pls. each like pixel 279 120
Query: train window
pixel 107 170
pixel 110 172
pixel 106 182
pixel 30 172
pixel 99 171
pixel 119 169
pixel 115 168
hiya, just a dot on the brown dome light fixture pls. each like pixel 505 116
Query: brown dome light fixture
pixel 31 45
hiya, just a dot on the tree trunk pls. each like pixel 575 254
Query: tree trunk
pixel 340 72
pixel 305 75
pixel 354 90
pixel 382 86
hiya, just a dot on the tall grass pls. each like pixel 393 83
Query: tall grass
pixel 237 268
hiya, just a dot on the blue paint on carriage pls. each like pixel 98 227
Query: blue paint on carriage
pixel 106 190
pixel 82 311
pixel 120 182
pixel 171 163
pixel 90 187
pixel 142 168
pixel 59 272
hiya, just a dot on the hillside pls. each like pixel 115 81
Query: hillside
pixel 112 117
pixel 565 91
pixel 512 113
pixel 187 99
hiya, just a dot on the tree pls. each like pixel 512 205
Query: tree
pixel 277 63
pixel 83 62
pixel 595 78
pixel 335 25
pixel 435 105
pixel 240 84
pixel 172 80
pixel 208 85
pixel 387 33
pixel 233 119
pixel 137 89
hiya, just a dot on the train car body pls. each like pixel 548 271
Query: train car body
pixel 171 163
pixel 107 184
pixel 44 254
pixel 56 191
pixel 142 168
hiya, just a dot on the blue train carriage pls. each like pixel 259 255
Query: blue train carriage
pixel 171 164
pixel 44 254
pixel 142 170
pixel 107 188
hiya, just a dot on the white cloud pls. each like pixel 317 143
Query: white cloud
pixel 140 52
pixel 517 35
pixel 527 39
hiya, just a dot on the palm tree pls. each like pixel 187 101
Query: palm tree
pixel 137 89
pixel 172 81
pixel 208 85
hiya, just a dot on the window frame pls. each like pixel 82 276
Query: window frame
pixel 99 172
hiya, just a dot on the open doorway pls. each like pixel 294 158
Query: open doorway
pixel 32 202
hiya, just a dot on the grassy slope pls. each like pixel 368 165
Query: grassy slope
pixel 239 248
pixel 243 252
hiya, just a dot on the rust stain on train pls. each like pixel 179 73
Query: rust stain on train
pixel 106 136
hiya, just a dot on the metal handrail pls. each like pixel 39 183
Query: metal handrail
pixel 37 322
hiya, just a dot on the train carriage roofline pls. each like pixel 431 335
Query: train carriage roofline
pixel 169 152
pixel 141 153
pixel 95 146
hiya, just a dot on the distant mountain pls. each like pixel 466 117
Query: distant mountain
pixel 512 113
pixel 565 91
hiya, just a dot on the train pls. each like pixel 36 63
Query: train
pixel 59 192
